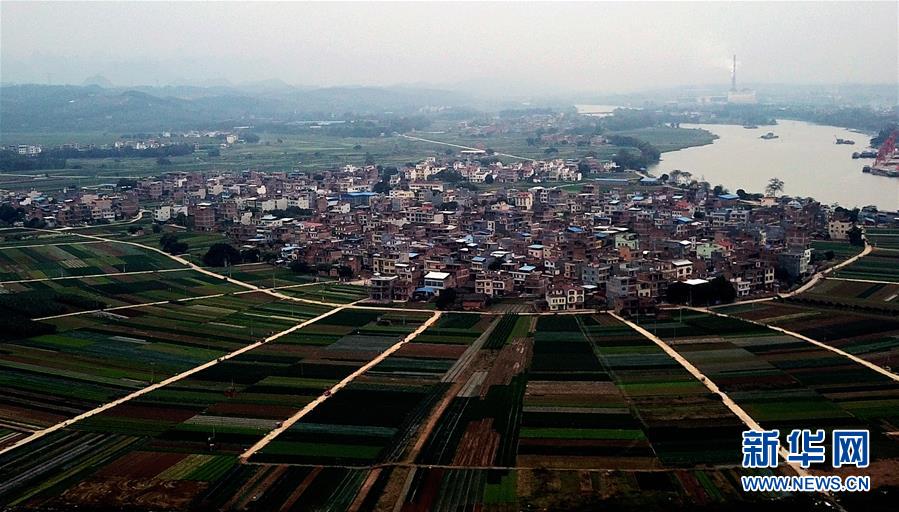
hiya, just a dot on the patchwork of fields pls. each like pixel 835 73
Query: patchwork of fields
pixel 77 259
pixel 376 417
pixel 192 430
pixel 479 411
pixel 90 360
pixel 582 392
pixel 335 293
pixel 785 383
pixel 841 250
pixel 61 296
pixel 883 238
pixel 878 266
pixel 874 338
pixel 267 276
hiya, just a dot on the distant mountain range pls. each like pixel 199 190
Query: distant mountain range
pixel 96 106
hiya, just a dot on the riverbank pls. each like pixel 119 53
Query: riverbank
pixel 667 139
pixel 804 156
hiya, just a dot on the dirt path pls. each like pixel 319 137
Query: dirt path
pixel 136 273
pixel 458 376
pixel 820 275
pixel 245 456
pixel 175 378
pixel 463 147
pixel 853 358
pixel 698 375
pixel 29 246
pixel 872 281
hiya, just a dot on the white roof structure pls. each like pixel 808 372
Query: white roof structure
pixel 437 275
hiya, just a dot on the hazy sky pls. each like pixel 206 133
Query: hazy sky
pixel 519 47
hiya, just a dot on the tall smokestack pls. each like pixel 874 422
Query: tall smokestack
pixel 733 75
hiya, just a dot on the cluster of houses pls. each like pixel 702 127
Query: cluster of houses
pixel 608 244
pixel 160 140
pixel 88 205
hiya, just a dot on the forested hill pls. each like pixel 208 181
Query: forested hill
pixel 40 108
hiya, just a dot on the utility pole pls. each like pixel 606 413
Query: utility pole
pixel 733 75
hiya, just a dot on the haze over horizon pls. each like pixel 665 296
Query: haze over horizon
pixel 544 48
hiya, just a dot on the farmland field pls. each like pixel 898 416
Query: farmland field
pixel 406 386
pixel 60 296
pixel 87 360
pixel 579 392
pixel 28 261
pixel 862 296
pixel 873 337
pixel 11 237
pixel 494 412
pixel 841 250
pixel 336 293
pixel 444 489
pixel 190 432
pixel 268 276
pixel 884 238
pixel 785 383
pixel 878 266
pixel 197 242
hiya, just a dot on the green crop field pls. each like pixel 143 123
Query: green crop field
pixel 77 259
pixel 881 265
pixel 841 250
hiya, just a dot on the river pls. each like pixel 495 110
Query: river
pixel 804 157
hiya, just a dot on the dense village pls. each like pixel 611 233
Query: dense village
pixel 427 230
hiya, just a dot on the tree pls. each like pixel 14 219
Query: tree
pixel 344 272
pixel 883 135
pixel 446 299
pixel 167 239
pixel 649 154
pixel 855 237
pixel 178 247
pixel 163 161
pixel 775 186
pixel 9 215
pixel 449 176
pixel 249 255
pixel 169 243
pixel 489 179
pixel 181 219
pixel 369 159
pixel 300 267
pixel 36 222
pixel 221 255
